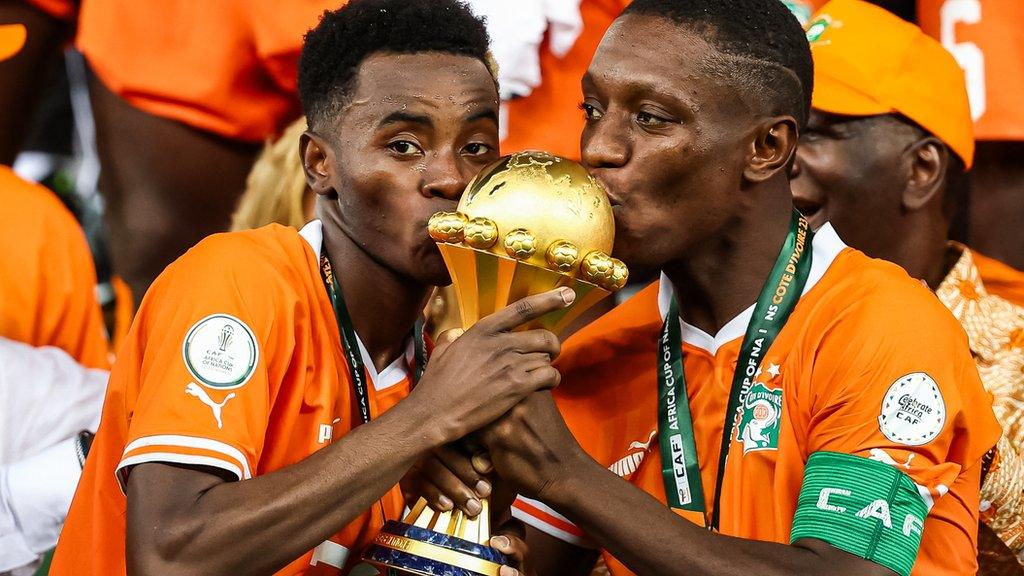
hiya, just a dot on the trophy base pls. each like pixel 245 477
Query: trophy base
pixel 414 550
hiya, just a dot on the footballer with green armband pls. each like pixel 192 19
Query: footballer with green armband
pixel 854 419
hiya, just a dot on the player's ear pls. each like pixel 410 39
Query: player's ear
pixel 772 146
pixel 316 156
pixel 926 164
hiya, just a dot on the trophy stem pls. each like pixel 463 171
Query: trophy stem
pixel 476 529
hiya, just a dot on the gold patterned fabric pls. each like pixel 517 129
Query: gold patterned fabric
pixel 995 328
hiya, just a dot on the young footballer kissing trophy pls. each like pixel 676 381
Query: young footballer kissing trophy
pixel 528 223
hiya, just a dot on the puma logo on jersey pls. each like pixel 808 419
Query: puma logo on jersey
pixel 326 433
pixel 882 456
pixel 193 389
pixel 629 464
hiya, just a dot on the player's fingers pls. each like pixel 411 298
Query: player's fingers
pixel 543 377
pixel 450 488
pixel 527 309
pixel 435 498
pixel 536 341
pixel 460 464
pixel 482 462
pixel 510 540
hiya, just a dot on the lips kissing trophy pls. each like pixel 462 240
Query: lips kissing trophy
pixel 528 223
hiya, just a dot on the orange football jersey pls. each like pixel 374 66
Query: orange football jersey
pixel 864 348
pixel 228 67
pixel 549 118
pixel 234 361
pixel 987 39
pixel 47 278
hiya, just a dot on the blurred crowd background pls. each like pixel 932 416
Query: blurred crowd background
pixel 150 120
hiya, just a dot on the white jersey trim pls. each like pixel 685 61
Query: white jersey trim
pixel 521 514
pixel 825 247
pixel 313 234
pixel 235 462
pixel 121 471
pixel 191 442
pixel 394 373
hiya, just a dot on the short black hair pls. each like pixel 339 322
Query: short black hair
pixel 333 51
pixel 771 58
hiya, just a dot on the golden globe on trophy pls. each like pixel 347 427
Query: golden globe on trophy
pixel 528 223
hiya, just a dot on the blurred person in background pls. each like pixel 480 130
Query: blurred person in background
pixel 182 95
pixel 542 52
pixel 884 159
pixel 47 277
pixel 276 190
pixel 50 408
pixel 53 356
pixel 987 39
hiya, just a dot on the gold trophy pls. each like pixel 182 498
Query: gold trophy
pixel 528 223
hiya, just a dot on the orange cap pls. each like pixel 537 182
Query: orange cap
pixel 12 38
pixel 868 61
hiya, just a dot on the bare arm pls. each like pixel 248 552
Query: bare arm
pixel 532 447
pixel 652 540
pixel 189 521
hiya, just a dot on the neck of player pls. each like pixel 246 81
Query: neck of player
pixel 721 276
pixel 383 305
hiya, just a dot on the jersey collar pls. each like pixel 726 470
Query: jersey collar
pixel 394 373
pixel 825 246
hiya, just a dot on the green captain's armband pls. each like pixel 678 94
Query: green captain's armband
pixel 865 507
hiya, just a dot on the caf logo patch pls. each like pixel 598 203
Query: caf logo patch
pixel 913 410
pixel 220 351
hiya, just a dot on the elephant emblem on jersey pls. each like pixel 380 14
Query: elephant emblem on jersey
pixel 762 419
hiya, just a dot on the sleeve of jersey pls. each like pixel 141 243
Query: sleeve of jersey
pixel 897 413
pixel 278 29
pixel 208 336
pixel 544 518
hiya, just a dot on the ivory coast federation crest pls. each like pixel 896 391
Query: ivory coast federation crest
pixel 761 419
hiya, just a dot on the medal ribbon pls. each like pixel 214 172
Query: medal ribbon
pixel 350 345
pixel 680 467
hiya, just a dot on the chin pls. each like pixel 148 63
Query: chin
pixel 636 254
pixel 430 269
pixel 440 278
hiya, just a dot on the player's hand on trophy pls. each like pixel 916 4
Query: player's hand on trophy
pixel 510 540
pixel 491 367
pixel 531 448
pixel 450 477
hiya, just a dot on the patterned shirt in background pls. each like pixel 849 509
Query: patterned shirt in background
pixel 995 328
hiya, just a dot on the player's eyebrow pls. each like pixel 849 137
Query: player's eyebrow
pixel 485 114
pixel 400 116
